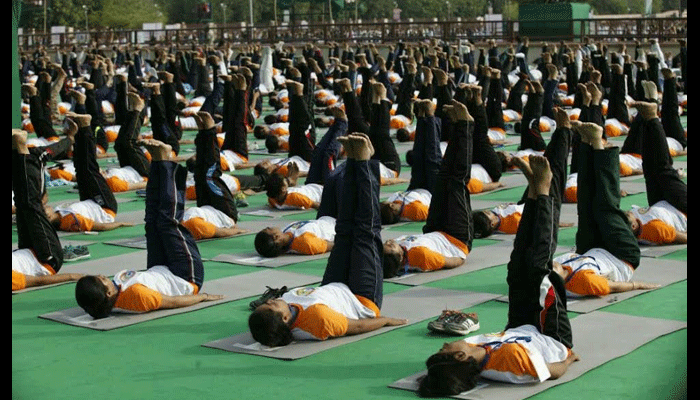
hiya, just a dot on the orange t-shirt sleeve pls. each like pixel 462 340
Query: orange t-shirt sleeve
pixel 56 173
pixel 510 224
pixel 76 223
pixel 224 164
pixel 298 200
pixel 322 322
pixel 19 282
pixel 571 194
pixel 283 170
pixel 199 228
pixel 139 298
pixel 117 185
pixel 625 170
pixel 425 259
pixel 475 186
pixel 658 232
pixel 309 244
pixel 588 283
pixel 415 211
pixel 513 358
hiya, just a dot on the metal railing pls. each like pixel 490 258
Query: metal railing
pixel 609 29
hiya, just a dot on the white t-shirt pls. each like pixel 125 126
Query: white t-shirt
pixel 157 278
pixel 541 349
pixel 86 208
pixel 209 214
pixel 664 212
pixel 601 261
pixel 24 262
pixel 127 174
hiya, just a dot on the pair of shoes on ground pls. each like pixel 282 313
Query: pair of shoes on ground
pixel 75 253
pixel 270 293
pixel 455 322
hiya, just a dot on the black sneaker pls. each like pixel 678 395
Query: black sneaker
pixel 270 293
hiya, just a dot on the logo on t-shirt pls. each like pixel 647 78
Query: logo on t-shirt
pixel 304 291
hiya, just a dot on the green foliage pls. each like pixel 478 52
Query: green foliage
pixel 130 13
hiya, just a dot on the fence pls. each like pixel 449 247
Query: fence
pixel 609 29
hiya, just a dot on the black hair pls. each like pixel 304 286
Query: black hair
pixel 402 135
pixel 392 264
pixel 448 376
pixel 482 224
pixel 268 328
pixel 388 215
pixel 265 245
pixel 260 132
pixel 260 170
pixel 92 297
pixel 270 119
pixel 274 184
pixel 409 157
pixel 272 143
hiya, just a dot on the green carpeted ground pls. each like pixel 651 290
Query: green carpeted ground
pixel 164 359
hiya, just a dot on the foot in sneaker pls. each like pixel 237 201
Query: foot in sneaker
pixel 462 324
pixel 270 293
pixel 439 324
pixel 240 200
pixel 75 253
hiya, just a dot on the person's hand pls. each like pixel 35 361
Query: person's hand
pixel 211 297
pixel 395 321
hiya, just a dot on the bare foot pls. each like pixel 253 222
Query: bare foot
pixel 592 134
pixel 378 92
pixel 561 118
pixel 541 174
pixel 19 141
pixel 294 87
pixel 647 110
pixel 135 102
pixel 159 150
pixel 362 146
pixel 207 120
pixel 347 146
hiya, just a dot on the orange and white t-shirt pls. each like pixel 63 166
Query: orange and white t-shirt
pixel 674 146
pixel 590 272
pixel 509 215
pixel 142 291
pixel 24 263
pixel 203 221
pixel 614 128
pixel 283 164
pixel 386 173
pixel 629 163
pixel 414 204
pixel 479 177
pixel 311 237
pixel 118 179
pixel 229 160
pixel 280 128
pixel 427 251
pixel 64 170
pixel 519 355
pixel 233 184
pixel 299 197
pixel 323 311
pixel 660 222
pixel 81 216
pixel 571 188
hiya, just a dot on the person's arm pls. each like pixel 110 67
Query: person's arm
pixel 226 232
pixel 358 326
pixel 108 226
pixel 681 238
pixel 453 262
pixel 393 181
pixel 187 300
pixel 492 186
pixel 557 370
pixel 50 279
pixel 619 287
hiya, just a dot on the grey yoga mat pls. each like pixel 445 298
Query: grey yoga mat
pixel 597 340
pixel 415 304
pixel 233 288
pixel 651 270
